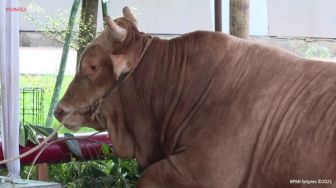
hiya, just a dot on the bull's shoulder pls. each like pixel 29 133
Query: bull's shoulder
pixel 208 36
pixel 208 43
pixel 221 42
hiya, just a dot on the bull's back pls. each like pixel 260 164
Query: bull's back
pixel 295 118
pixel 298 138
pixel 268 111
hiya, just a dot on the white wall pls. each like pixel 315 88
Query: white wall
pixel 168 16
pixel 309 18
pixel 42 60
pixel 154 16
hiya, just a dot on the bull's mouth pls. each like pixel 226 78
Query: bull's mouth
pixel 73 128
pixel 61 114
pixel 75 118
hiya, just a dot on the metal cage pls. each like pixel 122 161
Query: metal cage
pixel 31 106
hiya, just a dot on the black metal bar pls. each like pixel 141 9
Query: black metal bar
pixel 23 104
pixel 34 106
pixel 218 15
pixel 32 100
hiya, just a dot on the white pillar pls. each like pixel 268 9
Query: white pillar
pixel 9 72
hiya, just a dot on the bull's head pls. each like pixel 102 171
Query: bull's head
pixel 101 65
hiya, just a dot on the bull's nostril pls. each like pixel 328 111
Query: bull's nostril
pixel 59 113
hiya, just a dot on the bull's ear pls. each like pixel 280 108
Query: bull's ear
pixel 128 15
pixel 118 33
pixel 120 65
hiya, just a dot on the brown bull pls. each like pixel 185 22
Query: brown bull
pixel 207 110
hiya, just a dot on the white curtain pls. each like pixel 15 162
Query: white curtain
pixel 9 71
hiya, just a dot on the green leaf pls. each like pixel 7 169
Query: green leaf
pixel 93 171
pixel 22 136
pixel 115 171
pixel 97 172
pixel 115 160
pixel 43 131
pixel 31 135
pixel 77 165
pixel 109 180
pixel 73 145
pixel 98 183
pixel 105 149
pixel 69 135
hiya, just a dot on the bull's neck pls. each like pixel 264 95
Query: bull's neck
pixel 136 95
pixel 150 89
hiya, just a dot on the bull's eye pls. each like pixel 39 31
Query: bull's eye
pixel 93 67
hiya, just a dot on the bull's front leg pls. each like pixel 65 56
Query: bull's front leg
pixel 184 171
pixel 166 173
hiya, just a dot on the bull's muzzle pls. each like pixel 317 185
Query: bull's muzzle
pixel 59 113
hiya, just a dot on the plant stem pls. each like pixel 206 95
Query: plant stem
pixel 61 70
pixel 104 7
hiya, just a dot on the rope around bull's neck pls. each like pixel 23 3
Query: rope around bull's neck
pixel 96 115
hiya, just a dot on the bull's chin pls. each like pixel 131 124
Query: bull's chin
pixel 95 127
pixel 72 127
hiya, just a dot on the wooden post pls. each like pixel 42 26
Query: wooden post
pixel 239 18
pixel 218 15
pixel 42 172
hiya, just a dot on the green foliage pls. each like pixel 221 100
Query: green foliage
pixel 42 130
pixel 25 171
pixel 104 148
pixel 313 50
pixel 108 172
pixel 54 26
pixel 29 133
pixel 23 135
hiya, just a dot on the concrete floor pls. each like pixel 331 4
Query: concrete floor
pixel 28 183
